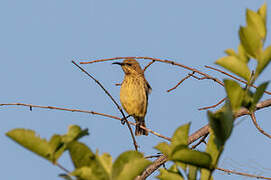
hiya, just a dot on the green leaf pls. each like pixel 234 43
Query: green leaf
pixel 106 161
pixel 192 175
pixel 221 123
pixel 230 52
pixel 235 65
pixel 256 22
pixel 214 149
pixel 264 60
pixel 262 12
pixel 57 147
pixel 29 140
pixel 169 175
pixel 242 54
pixel 75 132
pixel 251 41
pixel 129 165
pixel 259 93
pixel 164 148
pixel 180 136
pixel 85 173
pixel 235 93
pixel 192 157
pixel 82 156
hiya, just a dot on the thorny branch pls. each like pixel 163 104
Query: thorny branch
pixel 84 111
pixel 115 102
pixel 252 115
pixel 233 77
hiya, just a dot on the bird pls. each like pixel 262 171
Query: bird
pixel 134 93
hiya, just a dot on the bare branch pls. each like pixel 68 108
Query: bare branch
pixel 198 134
pixel 148 65
pixel 242 174
pixel 202 140
pixel 213 106
pixel 84 111
pixel 109 95
pixel 180 82
pixel 233 77
pixel 207 76
pixel 252 115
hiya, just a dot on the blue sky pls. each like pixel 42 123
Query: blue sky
pixel 38 40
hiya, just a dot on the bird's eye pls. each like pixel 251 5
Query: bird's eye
pixel 129 64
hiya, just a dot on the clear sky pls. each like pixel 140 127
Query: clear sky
pixel 38 40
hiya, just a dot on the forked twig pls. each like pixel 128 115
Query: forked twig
pixel 213 106
pixel 233 77
pixel 109 95
pixel 252 115
pixel 180 82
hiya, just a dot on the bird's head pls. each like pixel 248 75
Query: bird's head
pixel 130 66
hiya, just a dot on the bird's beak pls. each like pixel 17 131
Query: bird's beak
pixel 118 63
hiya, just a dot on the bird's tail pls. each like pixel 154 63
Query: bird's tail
pixel 140 121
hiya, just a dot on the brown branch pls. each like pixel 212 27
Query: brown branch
pixel 200 141
pixel 207 76
pixel 117 105
pixel 84 111
pixel 213 106
pixel 180 82
pixel 196 135
pixel 61 167
pixel 233 77
pixel 242 174
pixel 148 65
pixel 252 115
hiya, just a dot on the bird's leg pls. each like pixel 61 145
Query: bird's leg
pixel 123 119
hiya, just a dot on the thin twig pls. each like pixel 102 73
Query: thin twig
pixel 233 77
pixel 148 65
pixel 153 156
pixel 200 141
pixel 61 167
pixel 109 95
pixel 207 76
pixel 180 82
pixel 252 115
pixel 213 106
pixel 84 111
pixel 242 174
pixel 195 136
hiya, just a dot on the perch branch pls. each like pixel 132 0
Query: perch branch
pixel 84 111
pixel 148 65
